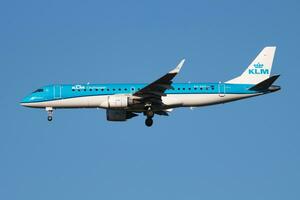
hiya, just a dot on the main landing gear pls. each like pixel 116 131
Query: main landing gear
pixel 149 122
pixel 50 113
pixel 150 114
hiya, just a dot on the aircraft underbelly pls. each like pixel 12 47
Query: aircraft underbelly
pixel 187 100
pixel 76 102
pixel 171 101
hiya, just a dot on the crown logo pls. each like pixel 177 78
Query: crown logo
pixel 258 65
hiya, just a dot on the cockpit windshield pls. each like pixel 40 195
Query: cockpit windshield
pixel 39 90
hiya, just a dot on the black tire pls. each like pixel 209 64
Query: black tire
pixel 49 118
pixel 149 122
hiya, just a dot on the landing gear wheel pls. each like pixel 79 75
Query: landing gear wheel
pixel 49 118
pixel 149 122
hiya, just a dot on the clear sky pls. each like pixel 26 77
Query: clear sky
pixel 242 150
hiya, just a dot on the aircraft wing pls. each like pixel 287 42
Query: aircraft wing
pixel 153 92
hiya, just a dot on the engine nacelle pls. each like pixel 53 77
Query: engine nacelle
pixel 118 101
pixel 118 115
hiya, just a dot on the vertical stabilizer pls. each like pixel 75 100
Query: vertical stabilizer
pixel 259 70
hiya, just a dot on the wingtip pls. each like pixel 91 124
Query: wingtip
pixel 271 47
pixel 182 61
pixel 179 66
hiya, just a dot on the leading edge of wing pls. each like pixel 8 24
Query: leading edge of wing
pixel 158 87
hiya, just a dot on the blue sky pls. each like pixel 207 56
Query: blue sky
pixel 243 150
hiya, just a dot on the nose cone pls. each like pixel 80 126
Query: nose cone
pixel 26 101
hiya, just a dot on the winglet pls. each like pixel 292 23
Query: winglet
pixel 177 69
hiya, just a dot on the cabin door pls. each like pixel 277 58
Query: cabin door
pixel 222 90
pixel 57 91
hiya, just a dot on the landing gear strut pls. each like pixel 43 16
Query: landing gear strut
pixel 50 113
pixel 150 114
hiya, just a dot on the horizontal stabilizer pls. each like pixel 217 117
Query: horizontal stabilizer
pixel 265 85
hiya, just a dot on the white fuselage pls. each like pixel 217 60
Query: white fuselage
pixel 170 101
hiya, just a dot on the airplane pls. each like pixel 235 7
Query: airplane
pixel 125 101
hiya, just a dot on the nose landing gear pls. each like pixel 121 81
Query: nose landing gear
pixel 49 118
pixel 50 113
